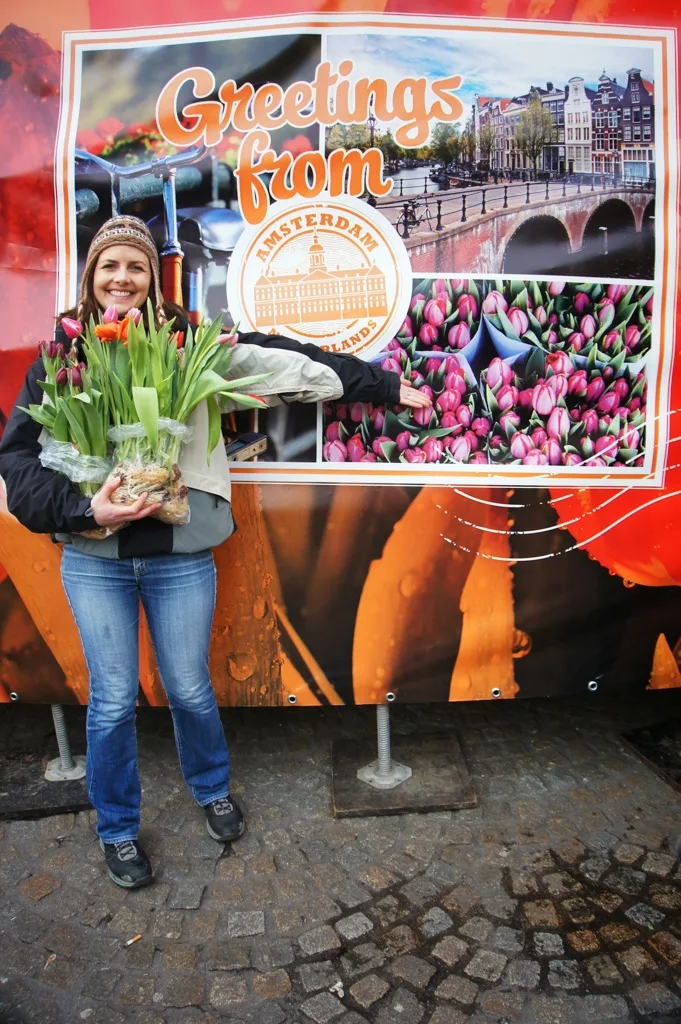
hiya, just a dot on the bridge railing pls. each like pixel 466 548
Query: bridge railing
pixel 458 206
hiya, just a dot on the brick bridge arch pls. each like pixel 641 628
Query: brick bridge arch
pixel 479 245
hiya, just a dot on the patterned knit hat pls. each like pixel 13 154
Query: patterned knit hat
pixel 123 231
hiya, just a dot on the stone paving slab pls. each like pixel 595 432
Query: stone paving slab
pixel 557 900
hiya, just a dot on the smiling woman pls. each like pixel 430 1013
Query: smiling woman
pixel 121 278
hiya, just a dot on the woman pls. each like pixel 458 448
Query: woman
pixel 169 568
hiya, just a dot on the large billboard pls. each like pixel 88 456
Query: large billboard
pixel 486 206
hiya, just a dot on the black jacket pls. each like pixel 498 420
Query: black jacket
pixel 47 502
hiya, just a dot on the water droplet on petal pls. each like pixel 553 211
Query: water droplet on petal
pixel 409 585
pixel 241 666
pixel 629 583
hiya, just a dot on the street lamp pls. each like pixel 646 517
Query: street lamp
pixel 371 121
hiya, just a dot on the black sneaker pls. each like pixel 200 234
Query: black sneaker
pixel 128 864
pixel 224 820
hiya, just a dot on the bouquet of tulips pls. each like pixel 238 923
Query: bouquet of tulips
pixel 129 404
pixel 444 315
pixel 582 320
pixel 449 431
pixel 549 413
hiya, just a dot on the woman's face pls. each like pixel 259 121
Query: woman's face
pixel 122 278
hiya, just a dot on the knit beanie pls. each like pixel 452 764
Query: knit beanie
pixel 123 231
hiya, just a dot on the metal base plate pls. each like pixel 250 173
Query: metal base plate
pixel 55 773
pixel 371 775
pixel 440 780
pixel 24 792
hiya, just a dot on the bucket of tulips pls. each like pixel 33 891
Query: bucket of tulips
pixel 444 316
pixel 140 386
pixel 451 430
pixel 578 319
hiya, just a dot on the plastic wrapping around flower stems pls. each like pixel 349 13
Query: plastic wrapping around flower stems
pixel 63 457
pixel 88 471
pixel 154 471
pixel 135 430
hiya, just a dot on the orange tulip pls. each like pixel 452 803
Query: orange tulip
pixel 107 332
pixel 123 328
pixel 179 338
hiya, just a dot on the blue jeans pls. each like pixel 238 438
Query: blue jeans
pixel 178 596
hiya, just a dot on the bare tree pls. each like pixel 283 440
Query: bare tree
pixel 535 131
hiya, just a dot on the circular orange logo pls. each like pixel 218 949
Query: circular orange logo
pixel 332 272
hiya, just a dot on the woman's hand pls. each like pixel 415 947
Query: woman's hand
pixel 105 513
pixel 411 396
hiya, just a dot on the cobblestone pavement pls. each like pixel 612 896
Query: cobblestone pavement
pixel 556 901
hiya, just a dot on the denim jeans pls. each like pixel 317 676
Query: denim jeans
pixel 178 596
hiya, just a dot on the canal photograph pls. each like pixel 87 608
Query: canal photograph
pixel 549 171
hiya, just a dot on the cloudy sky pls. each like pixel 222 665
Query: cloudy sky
pixel 491 63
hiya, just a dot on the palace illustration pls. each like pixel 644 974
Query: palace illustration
pixel 320 294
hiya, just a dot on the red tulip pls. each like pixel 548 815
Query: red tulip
pixel 433 314
pixel 558 384
pixel 427 333
pixel 560 362
pixel 467 305
pixel 459 448
pixel 632 336
pixel 377 445
pixel 448 401
pixel 576 341
pixel 606 445
pixel 378 417
pixel 535 458
pixel 552 451
pixel 571 459
pixel 577 383
pixel 539 437
pixel 581 302
pixel 72 328
pixel 415 455
pixel 595 389
pixel 590 420
pixel 356 448
pixel 519 319
pixel 521 444
pixel 459 335
pixel 587 326
pixel 608 402
pixel 609 339
pixel 525 398
pixel 391 365
pixel 478 459
pixel 464 416
pixel 499 372
pixel 493 302
pixel 333 431
pixel 75 379
pixel 335 451
pixel 416 300
pixel 509 419
pixel 620 387
pixel 480 425
pixel 449 419
pixel 558 423
pixel 543 399
pixel 402 440
pixel 434 449
pixel 357 411
pixel 507 397
pixel 61 377
pixel 615 292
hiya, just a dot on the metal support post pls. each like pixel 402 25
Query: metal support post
pixel 66 767
pixel 438 225
pixel 505 206
pixel 484 200
pixel 383 773
pixel 527 193
pixel 463 208
pixel 564 186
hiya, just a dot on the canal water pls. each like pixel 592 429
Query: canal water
pixel 415 181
